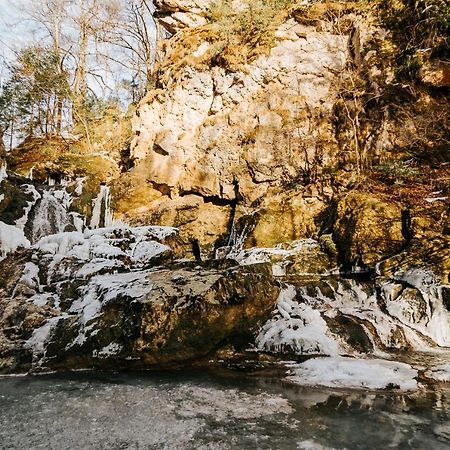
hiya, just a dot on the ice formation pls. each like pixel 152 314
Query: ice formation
pixel 11 238
pixel 102 204
pixel 409 313
pixel 340 372
pixel 3 173
pixel 297 327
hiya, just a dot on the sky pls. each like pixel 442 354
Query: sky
pixel 13 34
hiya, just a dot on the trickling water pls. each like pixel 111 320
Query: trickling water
pixel 79 186
pixel 102 205
pixel 236 238
pixel 30 174
pixel 51 214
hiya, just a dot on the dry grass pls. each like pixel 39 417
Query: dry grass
pixel 235 37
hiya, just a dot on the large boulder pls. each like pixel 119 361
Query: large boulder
pixel 113 298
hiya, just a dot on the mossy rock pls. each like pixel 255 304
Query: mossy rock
pixel 286 218
pixel 367 229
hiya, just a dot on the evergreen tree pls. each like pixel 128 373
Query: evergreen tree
pixel 31 98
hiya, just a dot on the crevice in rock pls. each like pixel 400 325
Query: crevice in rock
pixel 165 189
pixel 196 251
pixel 407 230
pixel 214 199
pixel 158 149
pixel 126 161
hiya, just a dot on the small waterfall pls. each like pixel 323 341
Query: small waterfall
pixel 79 185
pixel 239 231
pixel 3 173
pixel 51 215
pixel 102 209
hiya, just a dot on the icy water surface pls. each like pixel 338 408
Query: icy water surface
pixel 203 410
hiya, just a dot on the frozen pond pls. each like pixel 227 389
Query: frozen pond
pixel 207 410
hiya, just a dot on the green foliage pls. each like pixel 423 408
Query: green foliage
pixel 420 29
pixel 398 171
pixel 32 98
pixel 241 35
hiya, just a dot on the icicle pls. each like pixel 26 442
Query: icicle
pixel 79 186
pixel 3 173
pixel 103 199
pixel 30 173
pixel 108 212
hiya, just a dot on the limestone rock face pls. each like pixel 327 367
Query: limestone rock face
pixel 199 222
pixel 175 15
pixel 285 217
pixel 259 125
pixel 368 229
pixel 113 298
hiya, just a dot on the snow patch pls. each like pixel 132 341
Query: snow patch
pixel 110 350
pixel 440 373
pixel 41 335
pixel 11 238
pixel 339 372
pixel 296 327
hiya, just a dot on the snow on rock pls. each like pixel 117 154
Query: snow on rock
pixel 134 285
pixel 434 322
pixel 11 238
pixel 97 265
pixel 440 373
pixel 29 278
pixel 28 189
pixel 61 244
pixel 113 243
pixel 41 335
pixel 340 372
pixel 147 250
pixel 297 327
pixel 111 349
pixel 156 232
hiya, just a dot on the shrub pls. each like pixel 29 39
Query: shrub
pixel 236 36
pixel 420 29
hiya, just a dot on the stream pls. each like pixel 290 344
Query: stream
pixel 193 409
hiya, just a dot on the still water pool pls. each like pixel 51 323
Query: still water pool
pixel 213 410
